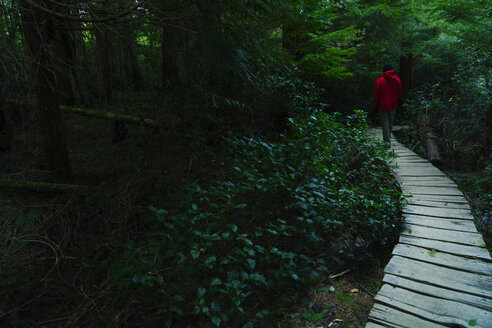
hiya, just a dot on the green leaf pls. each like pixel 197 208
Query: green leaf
pixel 432 253
pixel 216 321
pixel 201 292
pixel 472 322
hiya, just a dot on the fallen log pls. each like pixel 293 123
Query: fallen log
pixel 432 149
pixel 112 116
pixel 39 186
pixel 148 122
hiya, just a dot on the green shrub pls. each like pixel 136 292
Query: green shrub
pixel 285 209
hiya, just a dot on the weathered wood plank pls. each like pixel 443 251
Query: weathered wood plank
pixel 416 171
pixel 452 248
pixel 411 201
pixel 439 292
pixel 459 237
pixel 428 179
pixel 404 153
pixel 443 259
pixel 404 164
pixel 408 156
pixel 436 198
pixel 373 325
pixel 427 183
pixel 410 161
pixel 451 213
pixel 434 190
pixel 433 222
pixel 440 311
pixel 464 282
pixel 385 315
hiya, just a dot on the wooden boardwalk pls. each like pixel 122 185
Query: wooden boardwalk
pixel 440 274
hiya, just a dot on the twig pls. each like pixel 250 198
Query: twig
pixel 21 306
pixel 333 276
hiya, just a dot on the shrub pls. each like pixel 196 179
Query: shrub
pixel 284 213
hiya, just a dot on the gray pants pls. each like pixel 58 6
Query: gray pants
pixel 387 117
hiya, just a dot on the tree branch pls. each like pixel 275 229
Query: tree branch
pixel 85 20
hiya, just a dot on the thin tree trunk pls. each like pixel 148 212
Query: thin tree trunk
pixel 489 135
pixel 406 73
pixel 136 71
pixel 63 64
pixel 38 30
pixel 170 70
pixel 103 44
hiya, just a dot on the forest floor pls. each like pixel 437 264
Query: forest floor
pixel 341 302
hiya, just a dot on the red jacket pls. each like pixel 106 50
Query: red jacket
pixel 387 91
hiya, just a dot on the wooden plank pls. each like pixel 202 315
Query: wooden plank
pixel 431 184
pixel 404 153
pixel 438 198
pixel 410 162
pixel 425 181
pixel 460 281
pixel 373 325
pixel 452 248
pixel 412 201
pixel 443 259
pixel 419 173
pixel 426 184
pixel 404 164
pixel 440 311
pixel 385 315
pixel 459 237
pixel 476 301
pixel 428 179
pixel 448 224
pixel 451 213
pixel 408 156
pixel 435 190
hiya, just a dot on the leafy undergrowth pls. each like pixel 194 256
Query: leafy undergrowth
pixel 236 248
pixel 287 212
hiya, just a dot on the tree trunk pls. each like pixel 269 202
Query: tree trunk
pixel 131 59
pixel 432 149
pixel 489 134
pixel 6 131
pixel 63 64
pixel 104 47
pixel 406 73
pixel 170 69
pixel 38 32
pixel 136 71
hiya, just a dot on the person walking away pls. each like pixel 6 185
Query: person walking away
pixel 386 93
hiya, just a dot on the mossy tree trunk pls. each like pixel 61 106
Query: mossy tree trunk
pixel 38 31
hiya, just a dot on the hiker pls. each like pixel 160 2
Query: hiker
pixel 386 93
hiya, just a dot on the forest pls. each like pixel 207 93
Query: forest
pixel 207 163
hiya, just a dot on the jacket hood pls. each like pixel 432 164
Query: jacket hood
pixel 390 75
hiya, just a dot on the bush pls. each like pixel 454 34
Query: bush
pixel 286 211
